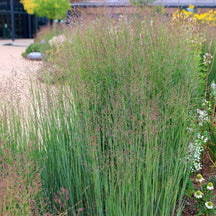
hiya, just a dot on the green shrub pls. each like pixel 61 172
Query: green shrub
pixel 41 43
pixel 35 47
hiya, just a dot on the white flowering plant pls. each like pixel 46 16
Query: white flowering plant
pixel 202 130
pixel 200 133
pixel 204 197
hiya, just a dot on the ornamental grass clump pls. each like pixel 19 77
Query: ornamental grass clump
pixel 113 135
pixel 20 185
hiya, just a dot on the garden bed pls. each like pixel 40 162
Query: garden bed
pixel 132 107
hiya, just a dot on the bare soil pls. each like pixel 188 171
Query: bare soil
pixel 16 73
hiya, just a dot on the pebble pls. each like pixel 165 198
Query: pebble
pixel 34 56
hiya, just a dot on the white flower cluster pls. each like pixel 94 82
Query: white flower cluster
pixel 206 103
pixel 195 150
pixel 57 40
pixel 202 116
pixel 207 58
pixel 213 89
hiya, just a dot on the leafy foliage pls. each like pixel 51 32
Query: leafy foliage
pixel 53 9
pixel 35 47
pixel 41 42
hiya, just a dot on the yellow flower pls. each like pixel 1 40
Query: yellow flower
pixel 208 18
pixel 56 6
pixel 191 6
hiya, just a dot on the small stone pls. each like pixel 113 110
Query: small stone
pixel 34 56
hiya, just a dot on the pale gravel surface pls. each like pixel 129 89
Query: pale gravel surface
pixel 16 74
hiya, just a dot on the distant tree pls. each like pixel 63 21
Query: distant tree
pixel 52 9
pixel 29 6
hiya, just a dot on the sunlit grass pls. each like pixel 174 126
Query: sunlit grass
pixel 114 132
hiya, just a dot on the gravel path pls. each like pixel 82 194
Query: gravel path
pixel 16 74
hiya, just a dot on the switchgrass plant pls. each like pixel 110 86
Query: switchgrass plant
pixel 112 138
pixel 20 184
